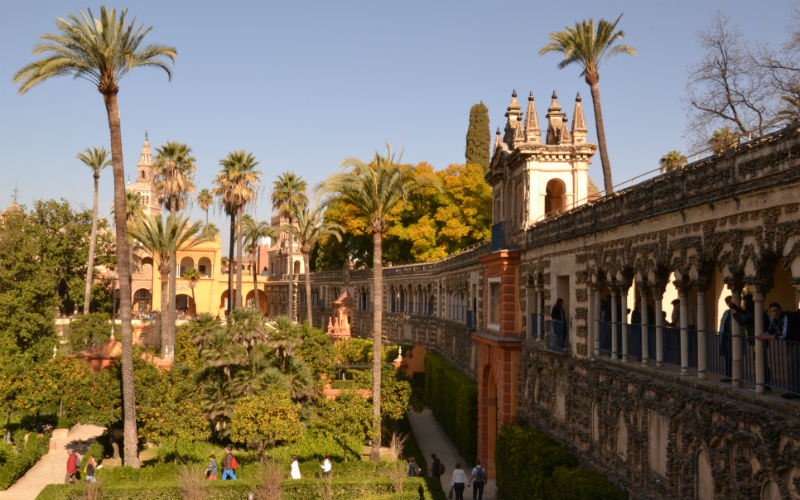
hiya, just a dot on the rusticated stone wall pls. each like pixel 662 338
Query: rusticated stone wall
pixel 660 435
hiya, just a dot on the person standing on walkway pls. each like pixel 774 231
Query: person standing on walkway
pixel 458 481
pixel 295 468
pixel 91 466
pixel 326 466
pixel 73 463
pixel 413 468
pixel 211 470
pixel 436 466
pixel 228 464
pixel 785 326
pixel 478 481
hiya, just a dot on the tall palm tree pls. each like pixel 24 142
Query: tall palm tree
pixel 588 48
pixel 173 172
pixel 134 207
pixel 97 159
pixel 193 276
pixel 164 240
pixel 205 199
pixel 102 50
pixel 310 228
pixel 672 161
pixel 374 189
pixel 236 187
pixel 253 231
pixel 289 197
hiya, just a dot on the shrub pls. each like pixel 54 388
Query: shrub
pixel 88 330
pixel 582 484
pixel 17 464
pixel 265 419
pixel 453 397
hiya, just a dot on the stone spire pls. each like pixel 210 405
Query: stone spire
pixel 497 139
pixel 554 119
pixel 514 123
pixel 532 132
pixel 564 137
pixel 579 130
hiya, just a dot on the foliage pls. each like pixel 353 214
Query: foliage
pixel 453 397
pixel 672 160
pixel 395 396
pixel 316 350
pixel 347 417
pixel 723 139
pixel 89 330
pixel 27 293
pixel 478 137
pixel 531 465
pixel 354 350
pixel 266 419
pixel 15 465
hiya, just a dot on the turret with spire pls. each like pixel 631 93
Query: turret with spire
pixel 513 133
pixel 578 122
pixel 144 180
pixel 532 132
pixel 555 117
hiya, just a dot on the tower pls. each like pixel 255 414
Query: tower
pixel 145 186
pixel 532 180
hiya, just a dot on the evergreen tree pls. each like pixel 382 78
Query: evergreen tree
pixel 478 136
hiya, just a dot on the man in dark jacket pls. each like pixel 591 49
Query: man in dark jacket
pixel 227 465
pixel 786 326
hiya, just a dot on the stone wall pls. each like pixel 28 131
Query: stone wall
pixel 660 435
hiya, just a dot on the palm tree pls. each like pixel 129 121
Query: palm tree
pixel 205 199
pixel 210 231
pixel 253 231
pixel 723 139
pixel 672 161
pixel 588 48
pixel 173 172
pixel 374 189
pixel 310 228
pixel 193 276
pixel 236 184
pixel 163 240
pixel 134 207
pixel 97 159
pixel 791 109
pixel 289 197
pixel 102 50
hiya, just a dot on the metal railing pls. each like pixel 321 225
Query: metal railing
pixel 557 336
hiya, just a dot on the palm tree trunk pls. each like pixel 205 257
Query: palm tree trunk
pixel 377 318
pixel 291 276
pixel 173 276
pixel 230 262
pixel 164 270
pixel 87 294
pixel 130 437
pixel 601 138
pixel 255 280
pixel 308 290
pixel 239 261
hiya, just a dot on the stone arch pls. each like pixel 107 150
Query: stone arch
pixel 223 299
pixel 204 267
pixel 142 301
pixel 704 476
pixel 262 300
pixel 555 199
pixel 402 298
pixel 185 306
pixel 187 264
pixel 297 267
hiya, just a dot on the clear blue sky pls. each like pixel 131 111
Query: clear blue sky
pixel 303 85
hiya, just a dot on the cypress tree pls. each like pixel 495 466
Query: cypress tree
pixel 478 136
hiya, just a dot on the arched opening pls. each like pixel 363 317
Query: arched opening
pixel 204 267
pixel 223 299
pixel 705 476
pixel 297 267
pixel 555 199
pixel 262 300
pixel 185 306
pixel 146 267
pixel 142 301
pixel 402 299
pixel 187 264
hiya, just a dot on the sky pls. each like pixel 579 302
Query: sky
pixel 303 85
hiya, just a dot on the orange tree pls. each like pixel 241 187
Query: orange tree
pixel 263 420
pixel 344 419
pixel 172 419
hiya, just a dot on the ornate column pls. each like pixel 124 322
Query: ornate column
pixel 645 321
pixel 736 333
pixel 614 321
pixel 596 319
pixel 684 310
pixel 701 285
pixel 761 369
pixel 658 297
pixel 623 293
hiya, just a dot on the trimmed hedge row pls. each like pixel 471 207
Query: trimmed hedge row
pixel 453 397
pixel 301 489
pixel 14 465
pixel 531 465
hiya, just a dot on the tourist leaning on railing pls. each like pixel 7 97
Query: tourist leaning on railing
pixel 785 326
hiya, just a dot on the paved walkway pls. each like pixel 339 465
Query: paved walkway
pixel 52 467
pixel 432 439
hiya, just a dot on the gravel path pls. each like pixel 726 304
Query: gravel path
pixel 52 468
pixel 432 439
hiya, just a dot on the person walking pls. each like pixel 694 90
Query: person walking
pixel 91 467
pixel 413 468
pixel 436 466
pixel 478 481
pixel 228 464
pixel 458 481
pixel 73 463
pixel 211 470
pixel 295 468
pixel 326 466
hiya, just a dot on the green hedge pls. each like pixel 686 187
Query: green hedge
pixel 301 489
pixel 15 465
pixel 453 397
pixel 531 465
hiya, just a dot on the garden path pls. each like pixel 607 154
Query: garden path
pixel 432 439
pixel 52 467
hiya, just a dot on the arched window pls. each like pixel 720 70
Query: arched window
pixel 142 301
pixel 555 201
pixel 204 267
pixel 187 264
